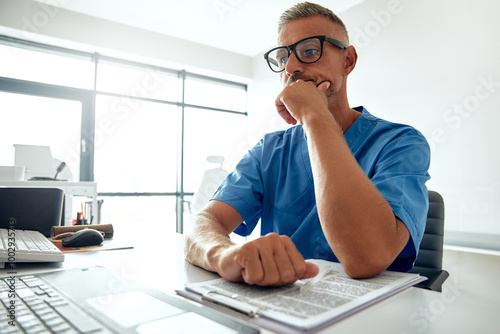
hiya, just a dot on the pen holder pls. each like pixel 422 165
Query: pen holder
pixel 81 222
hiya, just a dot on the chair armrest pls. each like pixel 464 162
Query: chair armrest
pixel 434 282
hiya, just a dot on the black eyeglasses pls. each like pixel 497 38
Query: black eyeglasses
pixel 308 50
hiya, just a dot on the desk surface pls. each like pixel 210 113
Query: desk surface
pixel 469 303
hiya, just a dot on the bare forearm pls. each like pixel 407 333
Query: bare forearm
pixel 205 239
pixel 357 221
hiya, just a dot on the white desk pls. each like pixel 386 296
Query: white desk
pixel 469 303
pixel 87 189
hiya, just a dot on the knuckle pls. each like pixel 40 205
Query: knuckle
pixel 271 279
pixel 271 236
pixel 285 239
pixel 288 276
pixel 251 280
pixel 249 248
pixel 300 270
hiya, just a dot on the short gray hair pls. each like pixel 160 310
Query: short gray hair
pixel 307 9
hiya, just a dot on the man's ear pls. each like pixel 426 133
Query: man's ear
pixel 351 57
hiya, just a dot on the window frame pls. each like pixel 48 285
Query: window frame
pixel 88 99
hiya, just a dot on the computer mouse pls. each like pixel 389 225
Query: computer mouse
pixel 82 238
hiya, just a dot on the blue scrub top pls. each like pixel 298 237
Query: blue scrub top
pixel 273 182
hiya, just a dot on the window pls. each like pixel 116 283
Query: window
pixel 35 120
pixel 142 132
pixel 51 68
pixel 148 213
pixel 135 146
pixel 211 133
pixel 215 94
pixel 147 82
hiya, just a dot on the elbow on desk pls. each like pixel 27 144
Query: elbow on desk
pixel 363 269
pixel 367 262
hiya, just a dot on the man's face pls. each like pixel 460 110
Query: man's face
pixel 329 67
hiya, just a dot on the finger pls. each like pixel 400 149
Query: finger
pixel 323 87
pixel 270 266
pixel 250 261
pixel 285 267
pixel 283 111
pixel 296 259
pixel 312 270
pixel 285 114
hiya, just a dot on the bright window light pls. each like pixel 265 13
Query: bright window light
pixel 34 120
pixel 46 68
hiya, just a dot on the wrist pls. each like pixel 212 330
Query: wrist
pixel 313 122
pixel 226 264
pixel 214 257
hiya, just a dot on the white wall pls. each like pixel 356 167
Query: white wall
pixel 435 65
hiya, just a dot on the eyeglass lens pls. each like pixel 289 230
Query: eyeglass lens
pixel 307 51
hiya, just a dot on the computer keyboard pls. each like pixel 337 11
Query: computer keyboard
pixel 27 246
pixel 36 307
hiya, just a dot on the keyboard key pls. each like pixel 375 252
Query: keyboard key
pixel 56 302
pixel 31 281
pixel 30 323
pixel 61 327
pixel 24 293
pixel 5 328
pixel 49 316
pixel 35 328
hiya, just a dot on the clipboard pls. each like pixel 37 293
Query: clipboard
pixel 252 319
pixel 249 303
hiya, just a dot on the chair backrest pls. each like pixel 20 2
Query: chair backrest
pixel 430 257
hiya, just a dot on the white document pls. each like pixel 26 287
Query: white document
pixel 332 298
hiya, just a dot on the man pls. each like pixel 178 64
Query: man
pixel 342 185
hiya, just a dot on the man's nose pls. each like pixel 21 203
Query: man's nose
pixel 293 65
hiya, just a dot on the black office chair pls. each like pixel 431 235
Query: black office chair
pixel 430 256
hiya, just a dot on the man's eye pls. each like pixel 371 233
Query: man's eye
pixel 309 52
pixel 282 60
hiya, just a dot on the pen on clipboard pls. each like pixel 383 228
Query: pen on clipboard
pixel 310 284
pixel 232 302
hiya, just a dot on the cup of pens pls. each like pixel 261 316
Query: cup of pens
pixel 80 219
